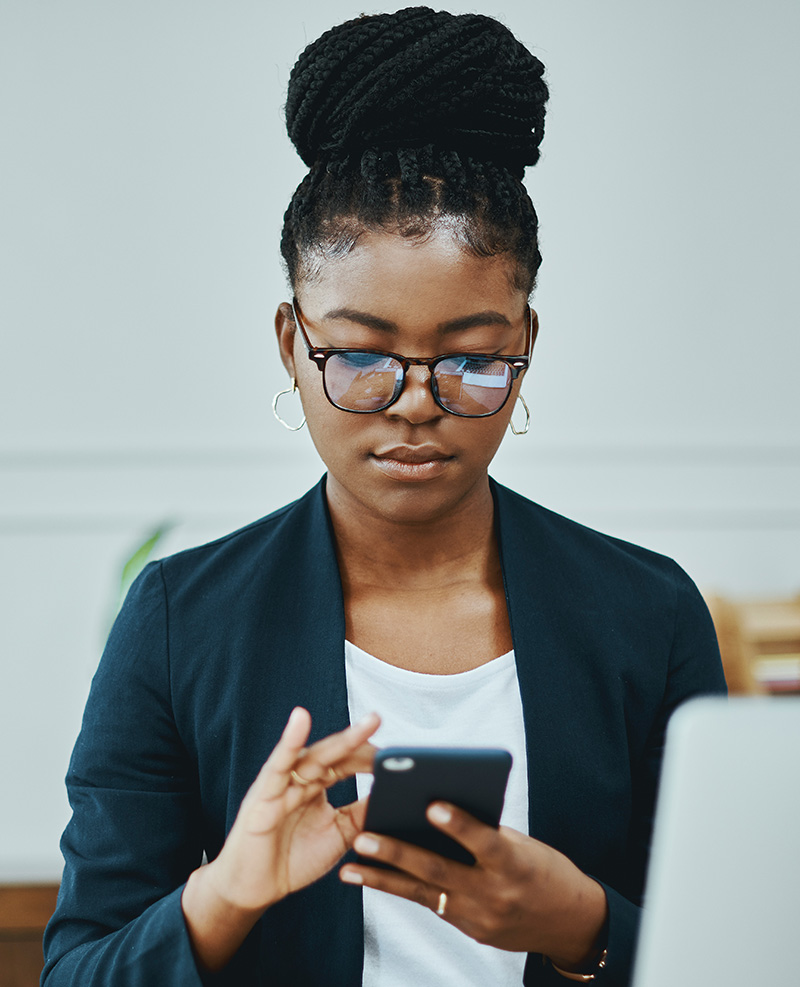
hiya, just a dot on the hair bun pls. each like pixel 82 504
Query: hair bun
pixel 417 77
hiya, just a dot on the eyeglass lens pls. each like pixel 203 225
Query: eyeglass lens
pixel 470 386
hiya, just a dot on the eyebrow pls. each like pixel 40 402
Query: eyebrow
pixel 488 318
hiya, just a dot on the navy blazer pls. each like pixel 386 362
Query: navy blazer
pixel 214 647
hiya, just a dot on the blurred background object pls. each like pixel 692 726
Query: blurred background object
pixel 760 644
pixel 24 912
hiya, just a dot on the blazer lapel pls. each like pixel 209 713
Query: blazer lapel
pixel 324 921
pixel 541 611
pixel 535 615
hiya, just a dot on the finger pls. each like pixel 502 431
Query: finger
pixel 482 841
pixel 361 761
pixel 427 867
pixel 393 882
pixel 363 756
pixel 294 736
pixel 350 819
pixel 337 750
pixel 274 776
pixel 340 745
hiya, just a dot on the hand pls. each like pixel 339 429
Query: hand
pixel 286 835
pixel 520 895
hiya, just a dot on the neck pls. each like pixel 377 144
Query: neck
pixel 386 551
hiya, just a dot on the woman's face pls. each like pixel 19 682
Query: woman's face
pixel 413 461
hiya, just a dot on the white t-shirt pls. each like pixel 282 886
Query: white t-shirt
pixel 405 943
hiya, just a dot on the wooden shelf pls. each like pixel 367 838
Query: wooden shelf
pixel 25 910
pixel 760 643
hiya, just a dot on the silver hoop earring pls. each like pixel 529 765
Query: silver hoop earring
pixel 524 429
pixel 286 390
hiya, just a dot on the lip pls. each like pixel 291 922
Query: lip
pixel 411 454
pixel 412 463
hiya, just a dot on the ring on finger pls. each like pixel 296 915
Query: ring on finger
pixel 442 904
pixel 333 774
pixel 300 779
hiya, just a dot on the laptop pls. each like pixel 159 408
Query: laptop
pixel 722 898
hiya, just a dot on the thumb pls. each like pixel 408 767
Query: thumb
pixel 351 820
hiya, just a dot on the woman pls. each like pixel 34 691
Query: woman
pixel 406 582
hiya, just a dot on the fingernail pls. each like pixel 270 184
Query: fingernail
pixel 366 844
pixel 439 813
pixel 369 718
pixel 351 877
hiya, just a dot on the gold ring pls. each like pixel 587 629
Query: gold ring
pixel 299 778
pixel 333 774
pixel 442 904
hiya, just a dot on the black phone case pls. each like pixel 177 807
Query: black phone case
pixel 408 779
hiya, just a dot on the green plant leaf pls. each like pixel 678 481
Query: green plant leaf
pixel 139 560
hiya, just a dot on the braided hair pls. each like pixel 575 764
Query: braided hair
pixel 412 119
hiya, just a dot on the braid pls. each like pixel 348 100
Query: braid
pixel 404 118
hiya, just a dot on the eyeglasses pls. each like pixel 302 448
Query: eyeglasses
pixel 470 385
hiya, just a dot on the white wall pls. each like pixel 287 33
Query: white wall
pixel 144 174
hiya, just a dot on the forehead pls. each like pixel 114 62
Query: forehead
pixel 402 277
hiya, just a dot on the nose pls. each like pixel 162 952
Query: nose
pixel 416 403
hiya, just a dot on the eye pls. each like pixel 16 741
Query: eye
pixel 473 366
pixel 357 360
pixel 479 366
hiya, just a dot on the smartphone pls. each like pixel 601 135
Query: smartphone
pixel 408 779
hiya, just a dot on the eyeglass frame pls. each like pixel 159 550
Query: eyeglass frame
pixel 319 355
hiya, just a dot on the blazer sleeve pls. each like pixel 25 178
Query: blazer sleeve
pixel 135 833
pixel 694 669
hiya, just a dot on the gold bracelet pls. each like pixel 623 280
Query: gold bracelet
pixel 583 978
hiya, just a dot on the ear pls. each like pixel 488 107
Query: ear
pixel 285 329
pixel 534 327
